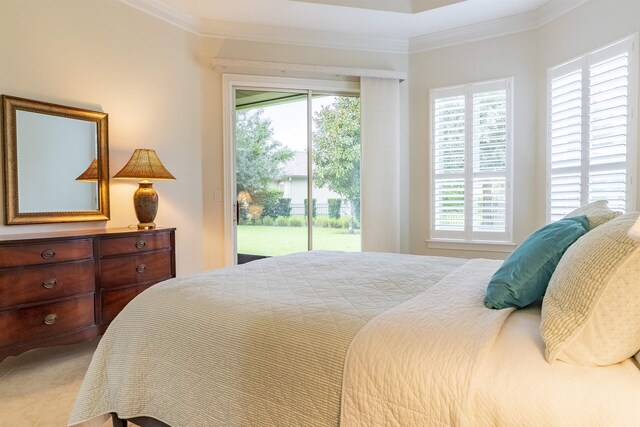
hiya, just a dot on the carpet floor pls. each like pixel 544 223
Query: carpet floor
pixel 38 388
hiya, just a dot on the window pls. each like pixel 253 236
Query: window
pixel 591 135
pixel 471 162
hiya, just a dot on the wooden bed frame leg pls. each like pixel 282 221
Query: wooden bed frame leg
pixel 117 422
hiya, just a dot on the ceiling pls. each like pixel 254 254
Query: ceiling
pixel 404 6
pixel 381 25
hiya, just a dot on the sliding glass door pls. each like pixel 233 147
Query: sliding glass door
pixel 271 173
pixel 335 149
pixel 280 138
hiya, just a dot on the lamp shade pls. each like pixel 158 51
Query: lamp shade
pixel 634 232
pixel 144 164
pixel 91 174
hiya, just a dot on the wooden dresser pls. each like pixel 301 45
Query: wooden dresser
pixel 62 288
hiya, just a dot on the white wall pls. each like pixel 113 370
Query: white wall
pixel 489 59
pixel 143 72
pixel 525 56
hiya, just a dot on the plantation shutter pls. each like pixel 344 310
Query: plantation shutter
pixel 589 136
pixel 449 140
pixel 565 188
pixel 490 152
pixel 470 151
pixel 608 111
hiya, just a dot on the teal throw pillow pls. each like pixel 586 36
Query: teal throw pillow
pixel 523 277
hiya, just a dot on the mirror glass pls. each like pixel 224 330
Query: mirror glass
pixel 55 158
pixel 52 153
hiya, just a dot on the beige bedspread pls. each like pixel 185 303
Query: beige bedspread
pixel 417 364
pixel 443 359
pixel 262 344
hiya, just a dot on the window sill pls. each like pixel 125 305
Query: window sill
pixel 505 247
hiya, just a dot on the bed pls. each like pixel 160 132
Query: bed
pixel 342 339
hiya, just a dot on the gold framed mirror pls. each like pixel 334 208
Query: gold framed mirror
pixel 56 163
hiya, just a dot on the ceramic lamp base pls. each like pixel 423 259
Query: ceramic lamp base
pixel 145 203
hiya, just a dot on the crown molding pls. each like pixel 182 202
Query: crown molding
pixel 484 30
pixel 555 9
pixel 402 6
pixel 165 11
pixel 495 28
pixel 300 37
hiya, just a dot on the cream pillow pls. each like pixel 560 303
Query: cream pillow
pixel 591 311
pixel 597 213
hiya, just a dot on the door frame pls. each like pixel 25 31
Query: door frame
pixel 232 82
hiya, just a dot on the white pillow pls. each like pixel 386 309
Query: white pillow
pixel 591 311
pixel 597 213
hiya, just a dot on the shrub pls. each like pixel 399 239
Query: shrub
pixel 284 207
pixel 321 221
pixel 296 221
pixel 255 212
pixel 267 220
pixel 334 208
pixel 282 221
pixel 344 222
pixel 269 199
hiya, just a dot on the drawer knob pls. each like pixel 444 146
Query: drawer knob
pixel 141 268
pixel 141 244
pixel 50 283
pixel 50 319
pixel 48 253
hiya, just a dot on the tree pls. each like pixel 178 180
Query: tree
pixel 270 201
pixel 259 158
pixel 336 154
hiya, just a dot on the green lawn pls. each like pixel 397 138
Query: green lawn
pixel 271 240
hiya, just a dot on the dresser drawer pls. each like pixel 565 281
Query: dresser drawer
pixel 114 301
pixel 46 282
pixel 133 269
pixel 45 320
pixel 45 253
pixel 133 244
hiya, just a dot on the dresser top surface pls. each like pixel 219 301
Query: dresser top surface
pixel 74 234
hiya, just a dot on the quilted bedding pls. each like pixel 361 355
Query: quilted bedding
pixel 416 364
pixel 443 359
pixel 328 339
pixel 261 344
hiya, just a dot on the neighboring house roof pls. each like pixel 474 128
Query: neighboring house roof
pixel 296 167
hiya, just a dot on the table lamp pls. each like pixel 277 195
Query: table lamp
pixel 144 164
